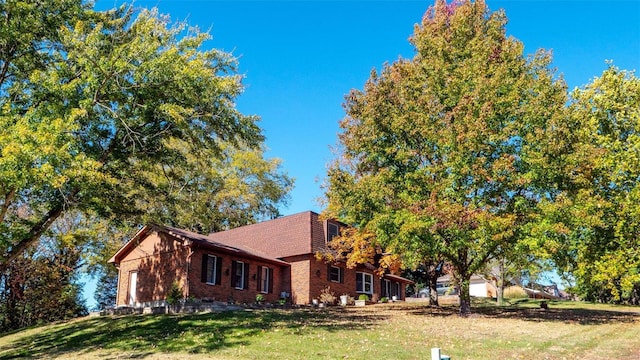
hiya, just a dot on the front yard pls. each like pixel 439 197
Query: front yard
pixel 389 331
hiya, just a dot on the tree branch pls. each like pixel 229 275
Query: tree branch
pixel 7 202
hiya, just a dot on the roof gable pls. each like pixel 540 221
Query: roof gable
pixel 193 240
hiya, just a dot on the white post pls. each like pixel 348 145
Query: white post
pixel 435 353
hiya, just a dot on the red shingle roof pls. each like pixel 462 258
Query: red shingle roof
pixel 197 240
pixel 286 236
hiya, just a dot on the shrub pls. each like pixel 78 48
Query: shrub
pixel 364 297
pixel 384 299
pixel 259 298
pixel 175 294
pixel 327 296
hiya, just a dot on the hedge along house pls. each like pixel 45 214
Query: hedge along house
pixel 273 258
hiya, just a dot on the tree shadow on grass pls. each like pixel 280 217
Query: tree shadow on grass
pixel 565 314
pixel 139 336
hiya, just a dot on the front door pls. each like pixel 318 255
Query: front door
pixel 133 280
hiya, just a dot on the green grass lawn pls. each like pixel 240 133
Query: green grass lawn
pixel 392 331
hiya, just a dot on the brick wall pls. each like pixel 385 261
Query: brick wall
pixel 300 276
pixel 348 286
pixel 158 261
pixel 310 276
pixel 318 233
pixel 225 290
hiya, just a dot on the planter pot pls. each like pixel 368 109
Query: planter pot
pixel 394 298
pixel 361 302
pixel 315 302
pixel 344 299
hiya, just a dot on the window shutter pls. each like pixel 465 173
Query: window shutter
pixel 341 275
pixel 259 285
pixel 329 272
pixel 246 276
pixel 383 289
pixel 270 281
pixel 203 275
pixel 218 270
pixel 233 273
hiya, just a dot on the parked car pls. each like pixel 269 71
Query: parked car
pixel 442 291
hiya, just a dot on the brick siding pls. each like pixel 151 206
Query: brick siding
pixel 225 291
pixel 159 261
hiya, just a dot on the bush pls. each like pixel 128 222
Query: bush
pixel 384 299
pixel 327 296
pixel 175 294
pixel 259 298
pixel 514 292
pixel 364 297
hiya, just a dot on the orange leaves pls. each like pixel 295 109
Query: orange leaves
pixel 356 247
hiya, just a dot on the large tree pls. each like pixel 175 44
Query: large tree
pixel 440 153
pixel 121 115
pixel 591 230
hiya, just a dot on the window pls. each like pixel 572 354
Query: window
pixel 239 275
pixel 133 285
pixel 386 288
pixel 265 279
pixel 364 283
pixel 332 231
pixel 211 269
pixel 336 274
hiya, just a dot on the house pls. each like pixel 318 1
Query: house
pixel 479 286
pixel 537 291
pixel 275 258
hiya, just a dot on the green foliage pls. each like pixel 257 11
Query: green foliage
pixel 259 298
pixel 364 297
pixel 440 153
pixel 122 116
pixel 175 294
pixel 106 291
pixel 592 231
pixel 41 286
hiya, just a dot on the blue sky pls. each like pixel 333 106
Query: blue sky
pixel 300 58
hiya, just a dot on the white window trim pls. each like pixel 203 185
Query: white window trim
pixel 265 280
pixel 240 265
pixel 339 270
pixel 364 282
pixel 211 270
pixel 387 288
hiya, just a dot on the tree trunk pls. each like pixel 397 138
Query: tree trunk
pixel 33 235
pixel 465 297
pixel 433 289
pixel 500 284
